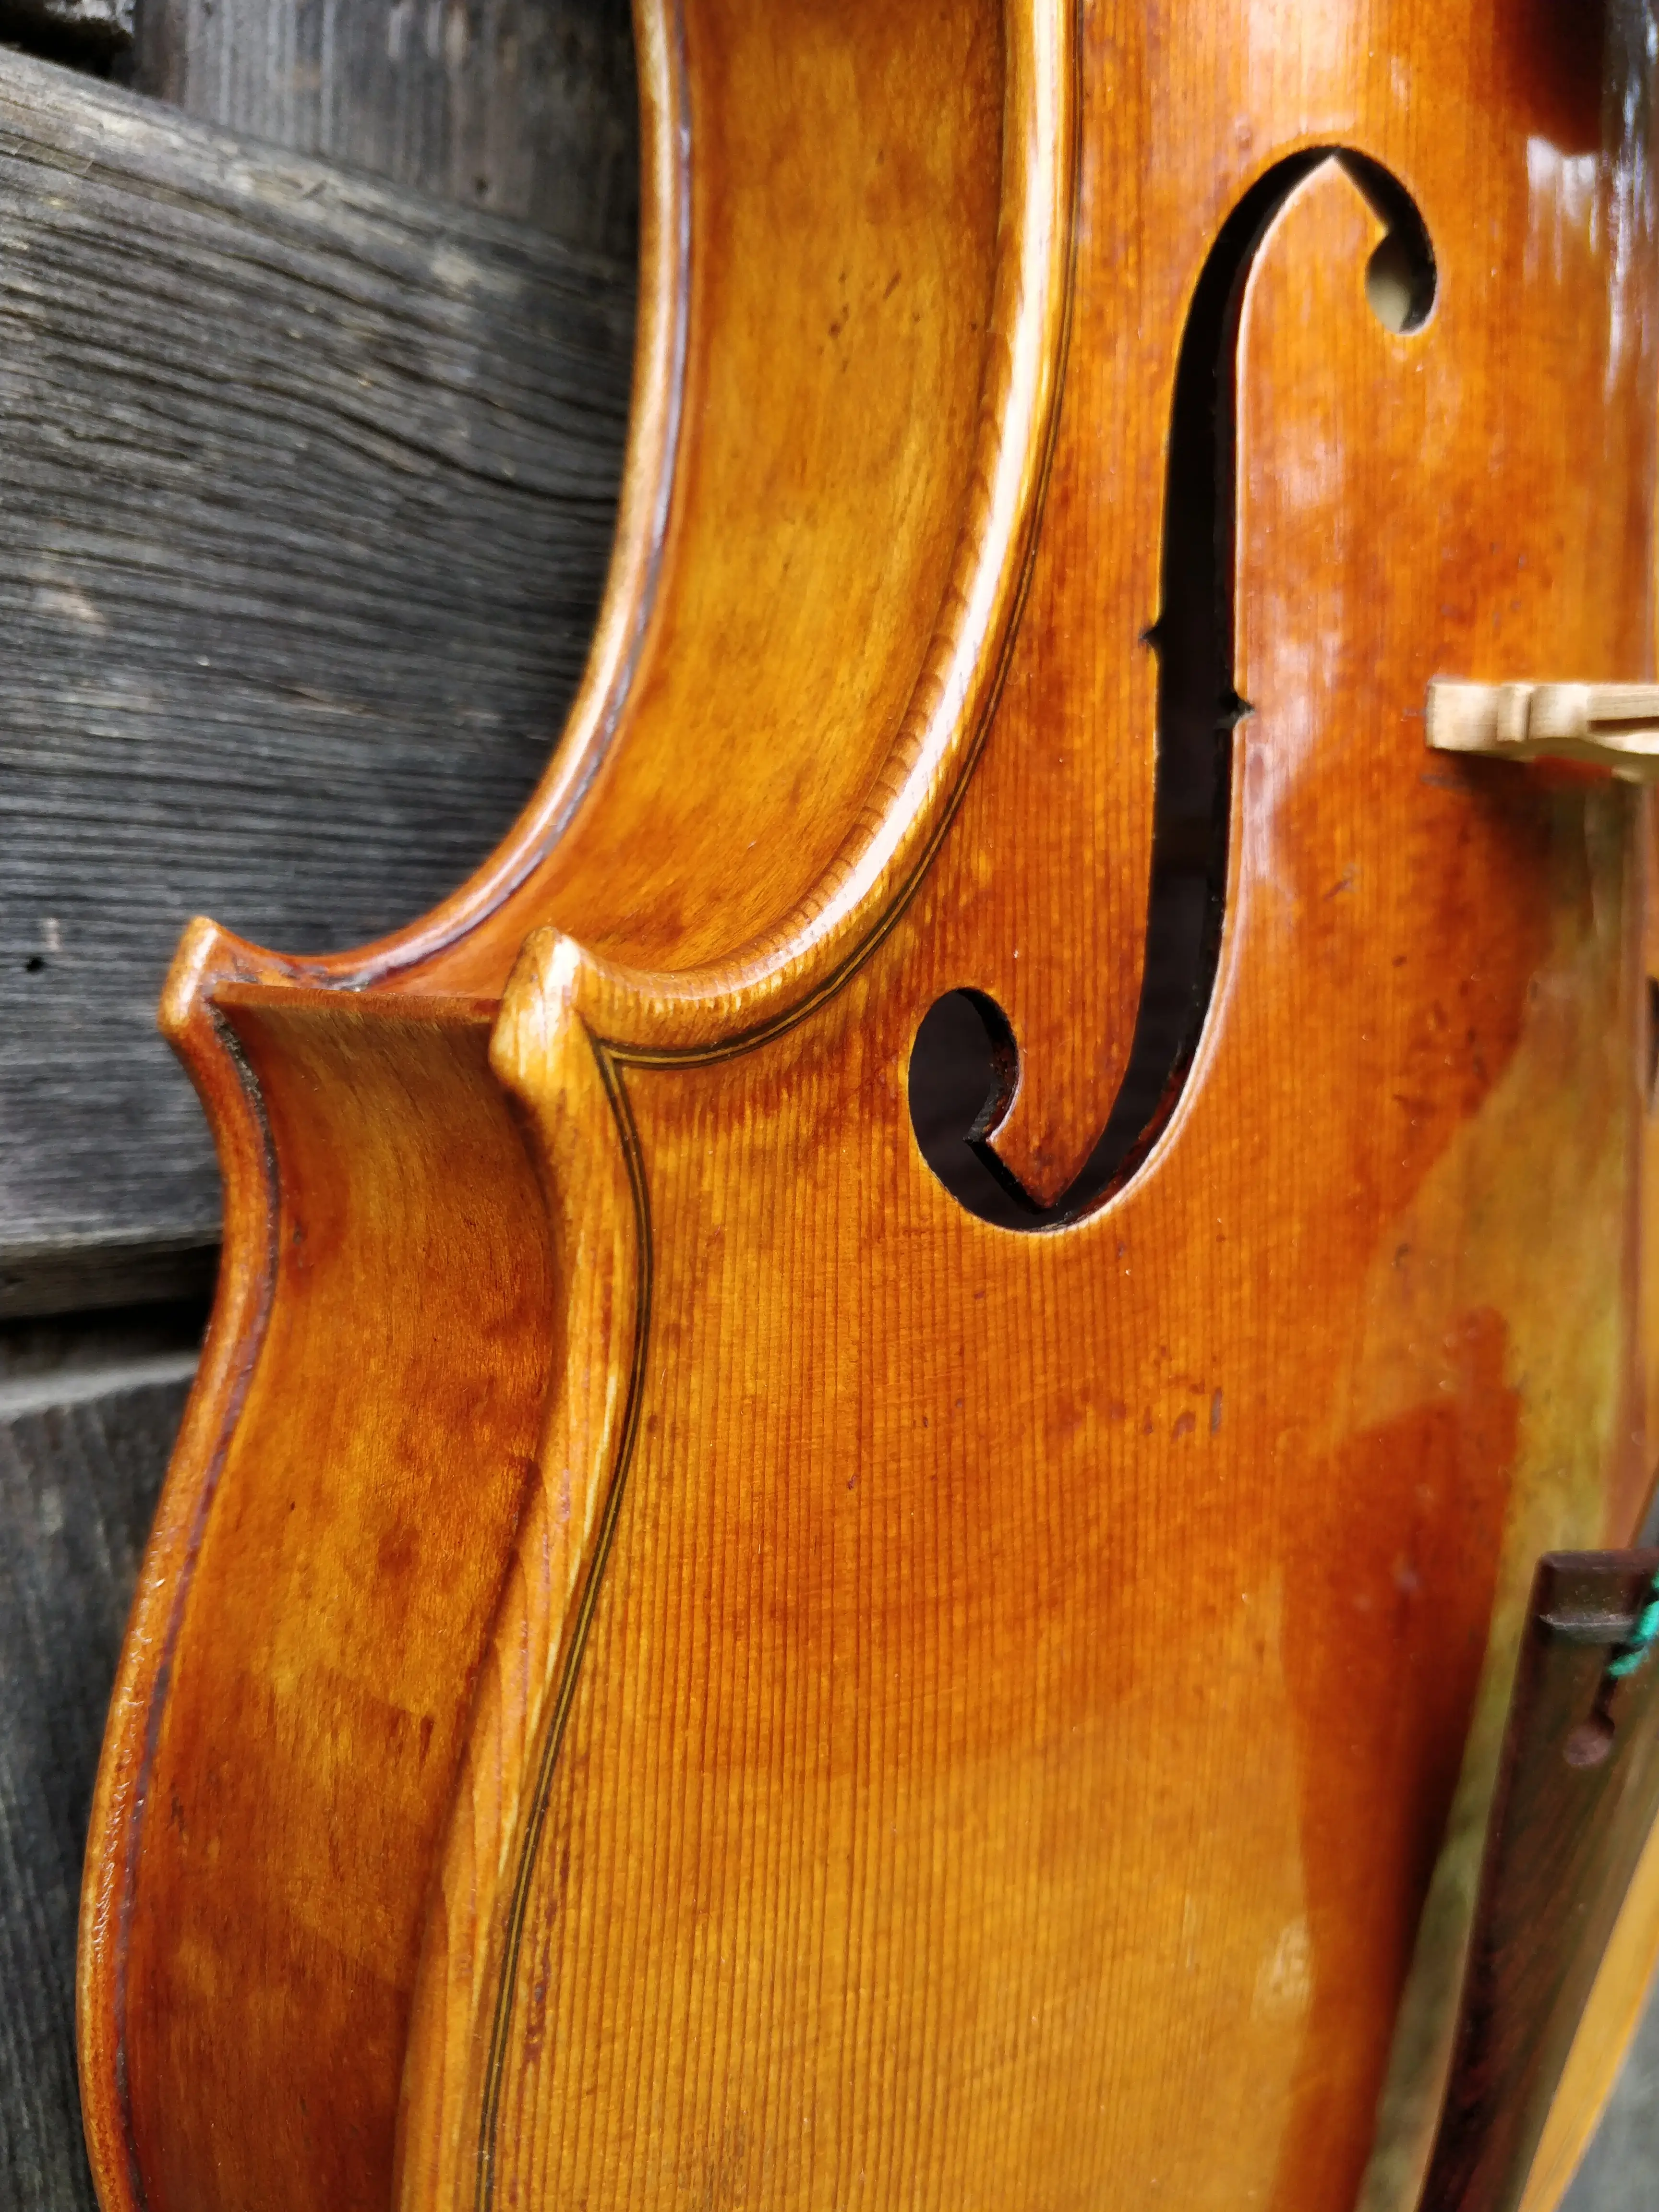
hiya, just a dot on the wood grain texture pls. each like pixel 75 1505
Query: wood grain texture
pixel 1576 1803
pixel 913 413
pixel 599 1247
pixel 82 1450
pixel 1603 2078
pixel 523 108
pixel 307 491
pixel 331 1895
pixel 1018 1689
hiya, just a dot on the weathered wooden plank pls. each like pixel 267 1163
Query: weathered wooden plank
pixel 82 1453
pixel 523 106
pixel 305 493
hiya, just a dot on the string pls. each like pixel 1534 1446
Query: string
pixel 1646 1635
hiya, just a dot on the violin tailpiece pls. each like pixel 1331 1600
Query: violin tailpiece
pixel 1576 1803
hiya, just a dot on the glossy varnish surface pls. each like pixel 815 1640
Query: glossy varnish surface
pixel 704 1666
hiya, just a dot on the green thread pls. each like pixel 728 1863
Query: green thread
pixel 1646 1635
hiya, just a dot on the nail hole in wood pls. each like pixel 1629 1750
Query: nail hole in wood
pixel 1590 1742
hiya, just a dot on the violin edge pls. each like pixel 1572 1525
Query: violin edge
pixel 236 1331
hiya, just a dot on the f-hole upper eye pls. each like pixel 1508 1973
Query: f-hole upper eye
pixel 963 1064
pixel 1401 280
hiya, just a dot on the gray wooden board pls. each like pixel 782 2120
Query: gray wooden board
pixel 526 107
pixel 81 1455
pixel 307 487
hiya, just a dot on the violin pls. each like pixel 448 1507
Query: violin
pixel 862 1520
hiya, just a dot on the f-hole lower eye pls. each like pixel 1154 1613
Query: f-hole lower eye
pixel 965 1069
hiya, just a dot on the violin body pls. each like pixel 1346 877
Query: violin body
pixel 710 1638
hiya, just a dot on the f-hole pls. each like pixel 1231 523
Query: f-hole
pixel 963 1065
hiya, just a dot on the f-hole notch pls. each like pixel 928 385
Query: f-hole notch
pixel 963 1064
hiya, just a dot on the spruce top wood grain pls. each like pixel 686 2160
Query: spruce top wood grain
pixel 678 1655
